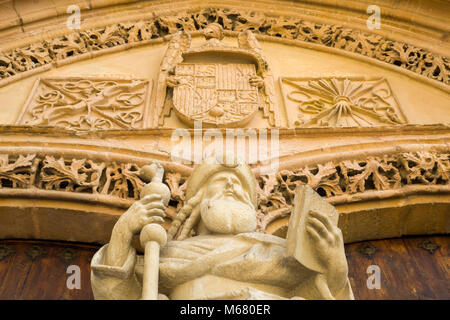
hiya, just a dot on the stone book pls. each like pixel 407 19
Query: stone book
pixel 299 243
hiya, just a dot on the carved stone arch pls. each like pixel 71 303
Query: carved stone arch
pixel 59 177
pixel 126 28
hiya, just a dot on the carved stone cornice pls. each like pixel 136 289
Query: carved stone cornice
pixel 44 54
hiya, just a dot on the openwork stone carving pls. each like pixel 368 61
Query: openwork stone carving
pixel 26 58
pixel 336 181
pixel 42 54
pixel 340 102
pixel 425 168
pixel 119 180
pixel 122 180
pixel 84 103
pixel 17 172
pixel 73 175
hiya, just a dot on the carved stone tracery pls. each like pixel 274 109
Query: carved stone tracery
pixel 63 48
pixel 55 173
pixel 332 180
pixel 351 177
pixel 87 103
pixel 73 175
pixel 17 172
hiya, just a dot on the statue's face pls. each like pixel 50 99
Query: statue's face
pixel 226 206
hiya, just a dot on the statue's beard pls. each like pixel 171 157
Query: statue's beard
pixel 228 214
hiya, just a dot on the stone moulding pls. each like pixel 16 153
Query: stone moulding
pixel 117 184
pixel 23 61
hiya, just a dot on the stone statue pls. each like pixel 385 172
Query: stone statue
pixel 213 251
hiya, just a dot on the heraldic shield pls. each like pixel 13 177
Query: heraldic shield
pixel 216 94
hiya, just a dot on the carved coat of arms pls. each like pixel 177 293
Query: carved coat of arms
pixel 219 85
pixel 215 94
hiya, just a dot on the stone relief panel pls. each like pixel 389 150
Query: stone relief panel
pixel 224 94
pixel 217 84
pixel 85 103
pixel 340 102
pixel 343 181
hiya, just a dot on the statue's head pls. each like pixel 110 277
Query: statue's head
pixel 221 196
pixel 213 31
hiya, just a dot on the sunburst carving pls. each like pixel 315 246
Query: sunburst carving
pixel 341 102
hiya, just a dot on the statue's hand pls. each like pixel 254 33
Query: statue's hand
pixel 149 209
pixel 329 249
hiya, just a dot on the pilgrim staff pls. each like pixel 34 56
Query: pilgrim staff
pixel 153 236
